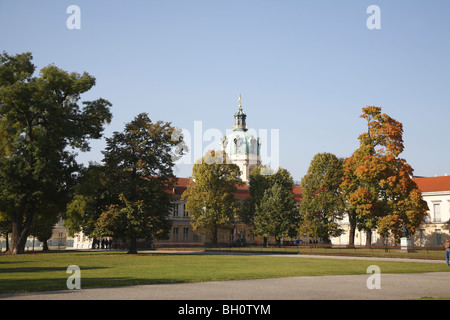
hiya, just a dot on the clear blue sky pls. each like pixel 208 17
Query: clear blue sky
pixel 305 68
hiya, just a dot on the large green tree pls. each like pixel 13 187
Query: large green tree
pixel 138 173
pixel 259 181
pixel 210 194
pixel 322 205
pixel 42 124
pixel 378 183
pixel 276 214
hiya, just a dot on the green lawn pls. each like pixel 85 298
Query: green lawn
pixel 47 271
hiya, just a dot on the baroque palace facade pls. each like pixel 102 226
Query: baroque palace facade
pixel 244 150
pixel 434 230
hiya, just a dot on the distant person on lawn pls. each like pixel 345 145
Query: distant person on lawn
pixel 446 247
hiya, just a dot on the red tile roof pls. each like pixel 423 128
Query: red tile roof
pixel 427 184
pixel 430 184
pixel 297 193
pixel 241 193
pixel 182 182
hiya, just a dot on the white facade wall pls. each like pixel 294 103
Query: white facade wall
pixel 434 230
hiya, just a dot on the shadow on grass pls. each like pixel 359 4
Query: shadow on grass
pixel 11 262
pixel 11 287
pixel 40 269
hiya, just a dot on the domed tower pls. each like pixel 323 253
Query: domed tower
pixel 241 147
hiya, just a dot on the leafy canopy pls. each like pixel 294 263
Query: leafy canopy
pixel 42 123
pixel 210 194
pixel 378 182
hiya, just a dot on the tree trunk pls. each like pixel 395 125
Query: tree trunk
pixel 44 245
pixel 351 236
pixel 20 231
pixel 17 228
pixel 19 237
pixel 278 242
pixel 352 220
pixel 132 247
pixel 368 237
pixel 214 236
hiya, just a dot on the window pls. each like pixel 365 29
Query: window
pixel 185 234
pixel 175 234
pixel 438 237
pixel 437 212
pixel 185 213
pixel 176 210
pixel 195 237
pixel 422 237
pixel 448 212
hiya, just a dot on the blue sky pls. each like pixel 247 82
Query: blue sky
pixel 306 68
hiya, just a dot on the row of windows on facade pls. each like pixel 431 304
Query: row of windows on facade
pixel 176 210
pixel 232 235
pixel 185 235
pixel 423 237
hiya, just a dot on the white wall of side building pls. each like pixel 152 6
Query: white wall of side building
pixel 435 228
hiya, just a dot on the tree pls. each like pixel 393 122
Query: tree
pixel 89 200
pixel 47 214
pixel 259 182
pixel 210 194
pixel 138 171
pixel 276 215
pixel 406 206
pixel 322 204
pixel 378 183
pixel 41 125
pixel 42 227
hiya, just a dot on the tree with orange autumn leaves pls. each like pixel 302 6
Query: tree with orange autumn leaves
pixel 377 182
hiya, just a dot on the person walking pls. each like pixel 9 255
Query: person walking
pixel 446 247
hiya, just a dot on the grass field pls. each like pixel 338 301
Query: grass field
pixel 47 271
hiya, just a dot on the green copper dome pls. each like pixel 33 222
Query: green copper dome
pixel 240 142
